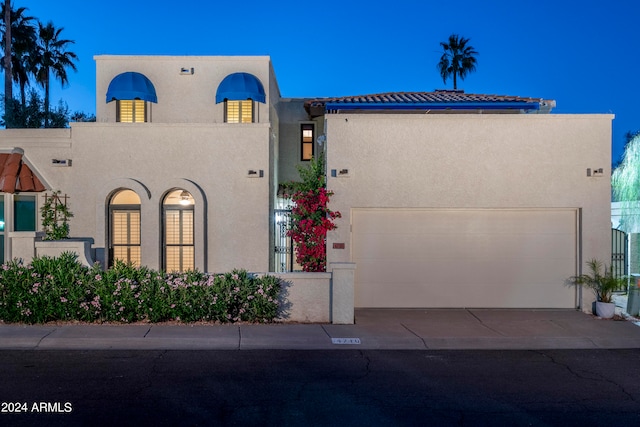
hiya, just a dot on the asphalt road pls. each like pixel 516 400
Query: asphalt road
pixel 321 388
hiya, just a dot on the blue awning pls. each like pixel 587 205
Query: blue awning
pixel 131 85
pixel 240 86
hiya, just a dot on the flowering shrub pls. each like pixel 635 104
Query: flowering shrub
pixel 53 289
pixel 311 218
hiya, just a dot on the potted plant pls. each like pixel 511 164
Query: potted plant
pixel 603 284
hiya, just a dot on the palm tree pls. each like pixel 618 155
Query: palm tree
pixel 458 59
pixel 23 41
pixel 6 64
pixel 52 57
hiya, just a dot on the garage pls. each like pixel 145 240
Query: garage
pixel 445 258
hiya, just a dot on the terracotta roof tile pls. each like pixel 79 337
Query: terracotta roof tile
pixel 436 97
pixel 15 175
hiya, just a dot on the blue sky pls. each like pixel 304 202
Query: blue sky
pixel 583 54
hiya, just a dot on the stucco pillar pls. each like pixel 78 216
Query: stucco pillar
pixel 342 289
pixel 23 245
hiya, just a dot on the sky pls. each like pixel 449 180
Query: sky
pixel 585 54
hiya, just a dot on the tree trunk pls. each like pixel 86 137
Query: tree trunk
pixel 46 100
pixel 8 84
pixel 23 95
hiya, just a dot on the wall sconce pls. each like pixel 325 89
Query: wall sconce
pixel 595 172
pixel 61 162
pixel 252 173
pixel 340 173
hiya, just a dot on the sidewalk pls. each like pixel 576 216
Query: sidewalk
pixel 379 329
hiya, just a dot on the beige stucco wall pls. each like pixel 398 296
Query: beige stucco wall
pixel 472 161
pixel 182 98
pixel 209 160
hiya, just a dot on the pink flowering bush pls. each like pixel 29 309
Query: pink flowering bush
pixel 58 289
pixel 311 217
pixel 44 290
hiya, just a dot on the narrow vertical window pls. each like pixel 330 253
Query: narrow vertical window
pixel 179 249
pixel 238 111
pixel 24 213
pixel 125 228
pixel 306 147
pixel 131 111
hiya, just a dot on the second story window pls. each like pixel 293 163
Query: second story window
pixel 133 93
pixel 306 141
pixel 238 111
pixel 240 93
pixel 131 111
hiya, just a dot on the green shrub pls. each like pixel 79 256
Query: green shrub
pixel 60 288
pixel 55 216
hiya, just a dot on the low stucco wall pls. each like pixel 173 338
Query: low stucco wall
pixel 26 245
pixel 318 297
pixel 54 248
pixel 305 297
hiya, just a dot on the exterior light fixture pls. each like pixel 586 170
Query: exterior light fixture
pixel 252 173
pixel 340 173
pixel 184 198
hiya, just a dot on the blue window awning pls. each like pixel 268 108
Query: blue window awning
pixel 240 86
pixel 131 85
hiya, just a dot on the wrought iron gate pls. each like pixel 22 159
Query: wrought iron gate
pixel 619 244
pixel 283 246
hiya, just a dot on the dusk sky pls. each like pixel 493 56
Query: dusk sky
pixel 585 54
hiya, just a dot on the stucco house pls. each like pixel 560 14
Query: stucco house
pixel 447 199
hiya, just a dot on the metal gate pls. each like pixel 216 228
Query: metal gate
pixel 283 246
pixel 619 264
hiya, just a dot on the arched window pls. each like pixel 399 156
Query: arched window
pixel 124 235
pixel 178 236
pixel 133 93
pixel 240 92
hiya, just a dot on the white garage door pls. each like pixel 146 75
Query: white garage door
pixel 507 258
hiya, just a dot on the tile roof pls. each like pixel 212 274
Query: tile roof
pixel 15 175
pixel 424 99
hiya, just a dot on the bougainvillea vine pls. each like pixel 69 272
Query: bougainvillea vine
pixel 311 217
